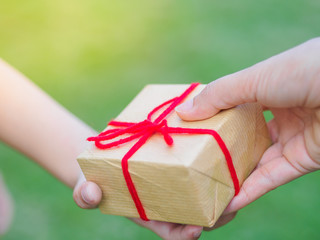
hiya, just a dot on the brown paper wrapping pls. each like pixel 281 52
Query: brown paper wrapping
pixel 189 182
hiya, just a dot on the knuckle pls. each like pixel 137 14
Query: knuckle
pixel 246 194
pixel 209 90
pixel 205 98
pixel 267 177
pixel 78 199
pixel 75 195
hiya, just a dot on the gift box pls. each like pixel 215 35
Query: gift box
pixel 181 176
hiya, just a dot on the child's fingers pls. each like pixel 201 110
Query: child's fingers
pixel 171 230
pixel 87 195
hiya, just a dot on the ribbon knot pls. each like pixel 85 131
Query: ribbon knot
pixel 144 130
pixel 163 129
pixel 139 129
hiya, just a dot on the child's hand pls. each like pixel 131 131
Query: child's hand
pixel 88 195
pixel 44 131
pixel 289 86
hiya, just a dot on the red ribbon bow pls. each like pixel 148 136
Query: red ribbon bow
pixel 144 130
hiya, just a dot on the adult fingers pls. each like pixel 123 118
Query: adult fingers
pixel 286 80
pixel 223 93
pixel 223 220
pixel 265 178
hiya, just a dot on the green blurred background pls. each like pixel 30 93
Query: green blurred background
pixel 93 56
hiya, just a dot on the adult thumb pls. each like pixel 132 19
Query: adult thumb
pixel 220 94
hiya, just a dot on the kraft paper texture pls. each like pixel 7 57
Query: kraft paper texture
pixel 186 183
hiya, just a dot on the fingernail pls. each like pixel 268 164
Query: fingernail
pixel 87 193
pixel 197 234
pixel 186 106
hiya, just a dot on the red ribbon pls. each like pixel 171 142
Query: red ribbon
pixel 144 130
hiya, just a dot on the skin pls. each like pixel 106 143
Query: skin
pixel 288 85
pixel 5 208
pixel 37 126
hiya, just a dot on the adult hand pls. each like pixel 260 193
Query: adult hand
pixel 88 195
pixel 288 85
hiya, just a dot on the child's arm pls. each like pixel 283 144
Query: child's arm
pixel 37 126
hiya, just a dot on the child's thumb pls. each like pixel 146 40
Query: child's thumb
pixel 223 93
pixel 87 195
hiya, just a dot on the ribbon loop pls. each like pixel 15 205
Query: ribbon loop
pixel 144 130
